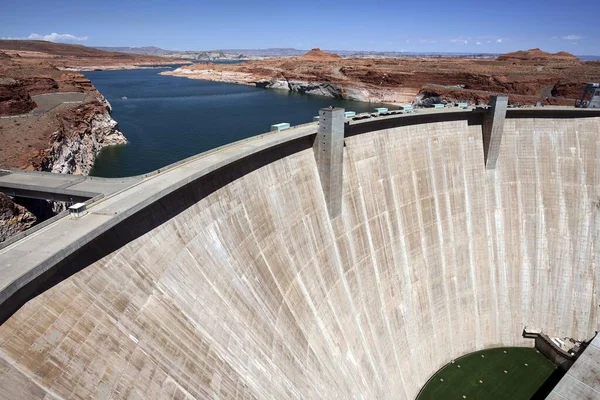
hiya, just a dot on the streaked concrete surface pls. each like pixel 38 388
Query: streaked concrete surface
pixel 582 381
pixel 250 290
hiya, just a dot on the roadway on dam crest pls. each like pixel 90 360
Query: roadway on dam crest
pixel 59 187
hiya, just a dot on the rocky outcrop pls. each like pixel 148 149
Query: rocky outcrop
pixel 572 90
pixel 13 218
pixel 14 97
pixel 537 55
pixel 39 85
pixel 432 94
pixel 273 84
pixel 84 132
pixel 320 55
pixel 357 94
pixel 317 88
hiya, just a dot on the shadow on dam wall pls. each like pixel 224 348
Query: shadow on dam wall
pixel 239 285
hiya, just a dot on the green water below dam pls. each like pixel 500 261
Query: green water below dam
pixel 166 119
pixel 506 373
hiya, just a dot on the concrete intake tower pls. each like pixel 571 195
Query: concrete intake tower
pixel 346 260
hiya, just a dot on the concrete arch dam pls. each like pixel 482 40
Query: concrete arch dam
pixel 240 284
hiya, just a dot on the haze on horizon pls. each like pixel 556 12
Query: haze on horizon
pixel 433 26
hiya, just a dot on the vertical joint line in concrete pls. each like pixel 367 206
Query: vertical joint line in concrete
pixel 493 126
pixel 329 155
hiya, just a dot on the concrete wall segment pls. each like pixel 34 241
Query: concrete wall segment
pixel 238 284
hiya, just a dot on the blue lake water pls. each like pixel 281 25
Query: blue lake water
pixel 167 119
pixel 589 58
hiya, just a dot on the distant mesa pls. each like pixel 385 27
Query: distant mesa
pixel 318 54
pixel 537 55
pixel 63 50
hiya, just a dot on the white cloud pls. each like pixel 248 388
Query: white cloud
pixel 58 37
pixel 572 37
pixel 498 40
pixel 52 37
pixel 459 41
pixel 478 43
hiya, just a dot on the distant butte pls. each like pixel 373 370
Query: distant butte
pixel 318 54
pixel 537 55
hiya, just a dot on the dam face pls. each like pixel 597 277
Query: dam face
pixel 251 290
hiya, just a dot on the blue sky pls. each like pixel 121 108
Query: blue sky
pixel 447 25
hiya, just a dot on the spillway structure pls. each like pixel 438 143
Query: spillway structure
pixel 315 262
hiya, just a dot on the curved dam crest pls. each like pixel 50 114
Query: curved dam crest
pixel 241 285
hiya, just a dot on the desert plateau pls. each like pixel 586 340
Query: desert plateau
pixel 526 76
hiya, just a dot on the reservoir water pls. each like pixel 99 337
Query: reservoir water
pixel 166 119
